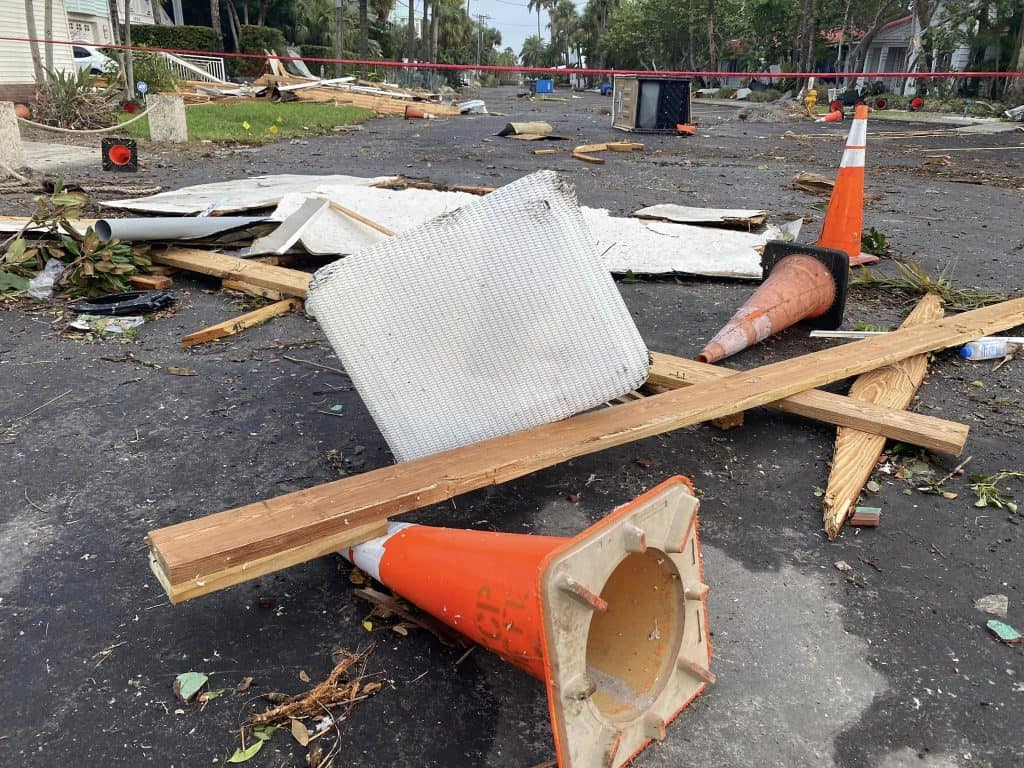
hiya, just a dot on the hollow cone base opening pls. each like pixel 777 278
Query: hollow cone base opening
pixel 632 647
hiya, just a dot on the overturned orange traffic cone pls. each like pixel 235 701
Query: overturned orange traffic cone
pixel 805 281
pixel 613 621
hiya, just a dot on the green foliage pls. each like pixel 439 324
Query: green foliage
pixel 153 70
pixel 761 96
pixel 185 38
pixel 988 492
pixel 258 121
pixel 70 100
pixel 255 40
pixel 912 279
pixel 93 268
pixel 874 242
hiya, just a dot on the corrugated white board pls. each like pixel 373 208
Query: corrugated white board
pixel 484 321
pixel 236 195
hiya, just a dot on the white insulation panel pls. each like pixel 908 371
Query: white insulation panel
pixel 487 320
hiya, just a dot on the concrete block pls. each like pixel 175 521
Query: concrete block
pixel 11 154
pixel 167 119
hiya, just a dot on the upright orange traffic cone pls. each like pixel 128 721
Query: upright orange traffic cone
pixel 613 621
pixel 805 281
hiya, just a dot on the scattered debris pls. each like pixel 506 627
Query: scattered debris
pixel 187 685
pixel 339 688
pixel 988 492
pixel 125 326
pixel 529 131
pixel 685 214
pixel 994 605
pixel 585 152
pixel 239 324
pixel 868 517
pixel 1004 632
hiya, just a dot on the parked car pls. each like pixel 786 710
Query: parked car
pixel 89 59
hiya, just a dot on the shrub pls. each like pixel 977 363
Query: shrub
pixel 69 100
pixel 318 52
pixel 770 95
pixel 255 40
pixel 184 38
pixel 154 71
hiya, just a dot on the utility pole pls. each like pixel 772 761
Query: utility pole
pixel 480 35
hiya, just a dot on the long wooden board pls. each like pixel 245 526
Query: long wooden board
pixel 196 552
pixel 292 282
pixel 240 323
pixel 857 452
pixel 935 434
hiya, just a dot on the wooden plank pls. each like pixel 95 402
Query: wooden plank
pixel 857 452
pixel 292 282
pixel 204 547
pixel 150 282
pixel 251 290
pixel 240 323
pixel 669 373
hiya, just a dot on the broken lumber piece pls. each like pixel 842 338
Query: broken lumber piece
pixel 361 219
pixel 202 555
pixel 251 290
pixel 585 152
pixel 240 323
pixel 292 282
pixel 150 282
pixel 668 372
pixel 856 452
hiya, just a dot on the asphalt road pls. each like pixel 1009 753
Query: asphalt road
pixel 891 668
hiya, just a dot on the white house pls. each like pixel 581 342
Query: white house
pixel 896 48
pixel 89 20
pixel 17 76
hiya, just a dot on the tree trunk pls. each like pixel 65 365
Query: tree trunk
pixel 429 9
pixel 245 12
pixel 1015 87
pixel 410 33
pixel 115 35
pixel 30 24
pixel 48 35
pixel 691 54
pixel 712 47
pixel 215 21
pixel 433 31
pixel 261 21
pixel 129 66
pixel 233 23
pixel 339 34
pixel 364 35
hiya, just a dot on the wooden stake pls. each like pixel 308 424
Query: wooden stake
pixel 208 553
pixel 361 219
pixel 857 452
pixel 239 324
pixel 292 282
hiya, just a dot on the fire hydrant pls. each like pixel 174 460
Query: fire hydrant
pixel 810 100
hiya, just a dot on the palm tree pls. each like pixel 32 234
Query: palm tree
pixel 539 5
pixel 563 22
pixel 410 33
pixel 534 52
pixel 364 34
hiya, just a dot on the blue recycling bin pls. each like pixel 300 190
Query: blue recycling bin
pixel 545 86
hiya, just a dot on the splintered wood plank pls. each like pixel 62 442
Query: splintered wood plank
pixel 856 451
pixel 150 282
pixel 669 372
pixel 298 522
pixel 292 282
pixel 240 323
pixel 251 290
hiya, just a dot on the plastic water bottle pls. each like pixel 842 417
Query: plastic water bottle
pixel 988 349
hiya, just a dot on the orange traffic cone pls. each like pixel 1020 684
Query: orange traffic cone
pixel 805 281
pixel 613 621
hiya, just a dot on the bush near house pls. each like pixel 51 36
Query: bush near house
pixel 184 38
pixel 255 40
pixel 318 52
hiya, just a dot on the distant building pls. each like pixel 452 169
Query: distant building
pixel 89 20
pixel 896 48
pixel 17 77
